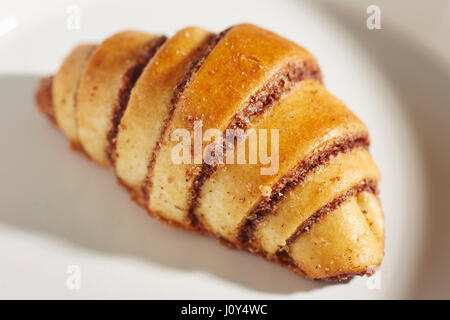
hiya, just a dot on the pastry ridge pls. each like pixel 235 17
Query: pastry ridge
pixel 101 84
pixel 148 107
pixel 65 85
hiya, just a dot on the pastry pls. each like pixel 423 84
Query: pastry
pixel 309 203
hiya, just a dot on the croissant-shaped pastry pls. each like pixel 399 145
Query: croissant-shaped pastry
pixel 122 101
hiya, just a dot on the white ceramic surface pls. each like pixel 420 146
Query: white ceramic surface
pixel 57 209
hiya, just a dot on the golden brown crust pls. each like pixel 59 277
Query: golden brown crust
pixel 318 214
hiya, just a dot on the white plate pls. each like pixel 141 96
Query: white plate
pixel 57 209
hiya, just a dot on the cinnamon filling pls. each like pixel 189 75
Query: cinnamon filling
pixel 128 81
pixel 273 90
pixel 292 179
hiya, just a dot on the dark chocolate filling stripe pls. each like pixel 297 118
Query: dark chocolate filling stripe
pixel 128 81
pixel 273 90
pixel 292 179
pixel 203 53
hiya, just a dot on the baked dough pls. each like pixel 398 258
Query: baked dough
pixel 122 101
